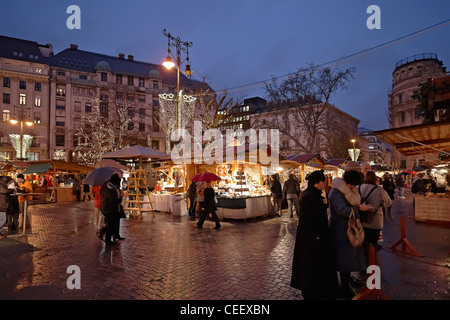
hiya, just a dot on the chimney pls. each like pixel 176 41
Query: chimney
pixel 130 57
pixel 121 56
pixel 73 46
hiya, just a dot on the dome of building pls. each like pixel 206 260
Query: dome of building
pixel 103 66
pixel 154 74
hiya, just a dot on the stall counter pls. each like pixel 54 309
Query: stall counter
pixel 175 204
pixel 243 208
pixel 434 207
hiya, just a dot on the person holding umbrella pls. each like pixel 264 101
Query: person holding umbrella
pixel 209 198
pixel 110 207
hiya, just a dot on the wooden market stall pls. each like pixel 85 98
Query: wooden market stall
pixel 137 197
pixel 59 176
pixel 431 139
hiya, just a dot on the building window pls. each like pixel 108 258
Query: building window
pixel 141 82
pixel 130 80
pixel 119 79
pixel 33 156
pixel 155 144
pixel 156 103
pixel 6 115
pixel 60 121
pixel 103 97
pixel 61 73
pixel 130 125
pixel 155 84
pixel 60 107
pixel 22 99
pixel 104 77
pixel 87 108
pixel 400 98
pixel 37 86
pixel 402 116
pixel 60 92
pixel 142 112
pixel 60 140
pixel 6 82
pixel 22 84
pixel 6 98
pixel 37 101
pixel 83 77
pixel 37 117
pixel 103 108
pixel 141 127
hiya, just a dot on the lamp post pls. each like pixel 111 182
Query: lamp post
pixel 169 64
pixel 21 120
pixel 354 149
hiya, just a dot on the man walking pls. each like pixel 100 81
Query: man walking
pixel 291 190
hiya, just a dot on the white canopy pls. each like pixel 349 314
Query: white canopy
pixel 134 152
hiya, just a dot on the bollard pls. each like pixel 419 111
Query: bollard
pixel 371 294
pixel 404 242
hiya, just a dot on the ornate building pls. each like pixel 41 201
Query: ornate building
pixel 407 77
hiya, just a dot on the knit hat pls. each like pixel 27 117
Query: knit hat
pixel 352 165
pixel 315 177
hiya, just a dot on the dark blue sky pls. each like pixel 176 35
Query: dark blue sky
pixel 239 42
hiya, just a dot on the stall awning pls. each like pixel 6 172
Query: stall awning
pixel 418 139
pixel 38 168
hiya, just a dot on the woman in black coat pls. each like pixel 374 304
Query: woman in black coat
pixel 313 268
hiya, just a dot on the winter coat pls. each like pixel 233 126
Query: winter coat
pixel 376 200
pixel 400 181
pixel 209 203
pixel 313 267
pixel 347 258
pixel 351 195
pixel 275 188
pixel 13 200
pixel 192 191
pixel 111 198
pixel 291 188
pixel 4 197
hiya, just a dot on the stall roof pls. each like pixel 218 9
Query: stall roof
pixel 307 159
pixel 418 139
pixel 59 165
pixel 134 152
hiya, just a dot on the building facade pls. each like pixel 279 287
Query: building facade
pixel 378 152
pixel 61 92
pixel 407 77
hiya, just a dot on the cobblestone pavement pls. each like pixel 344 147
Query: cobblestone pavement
pixel 169 258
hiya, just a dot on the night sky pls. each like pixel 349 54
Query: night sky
pixel 237 43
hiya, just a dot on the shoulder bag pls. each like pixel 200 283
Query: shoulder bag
pixel 355 231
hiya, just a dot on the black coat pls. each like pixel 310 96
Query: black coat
pixel 209 203
pixel 111 198
pixel 313 268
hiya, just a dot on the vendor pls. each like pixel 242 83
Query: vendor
pixel 24 187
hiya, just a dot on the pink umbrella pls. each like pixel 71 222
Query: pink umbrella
pixel 205 176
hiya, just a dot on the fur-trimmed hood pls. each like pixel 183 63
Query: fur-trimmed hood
pixel 352 195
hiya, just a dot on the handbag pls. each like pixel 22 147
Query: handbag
pixel 355 231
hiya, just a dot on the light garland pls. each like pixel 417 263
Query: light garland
pixel 26 144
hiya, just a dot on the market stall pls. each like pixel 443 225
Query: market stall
pixel 58 175
pixel 137 197
pixel 434 141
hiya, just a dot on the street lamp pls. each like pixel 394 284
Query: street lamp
pixel 20 150
pixel 169 64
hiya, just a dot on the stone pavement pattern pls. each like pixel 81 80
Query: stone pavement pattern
pixel 168 258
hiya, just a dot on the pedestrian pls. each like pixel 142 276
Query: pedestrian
pixel 86 191
pixel 125 184
pixel 343 199
pixel 4 205
pixel 191 194
pixel 12 215
pixel 400 182
pixel 291 190
pixel 373 224
pixel 276 195
pixel 365 167
pixel 99 218
pixel 328 184
pixel 110 208
pixel 200 197
pixel 313 268
pixel 24 187
pixel 76 188
pixel 209 207
pixel 388 185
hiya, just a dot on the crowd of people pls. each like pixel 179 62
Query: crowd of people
pixel 325 261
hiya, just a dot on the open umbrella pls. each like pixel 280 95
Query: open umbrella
pixel 205 176
pixel 98 176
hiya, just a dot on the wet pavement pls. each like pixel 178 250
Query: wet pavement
pixel 168 258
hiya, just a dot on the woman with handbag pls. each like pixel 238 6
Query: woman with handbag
pixel 348 258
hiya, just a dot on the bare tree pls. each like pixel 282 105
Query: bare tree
pixel 299 107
